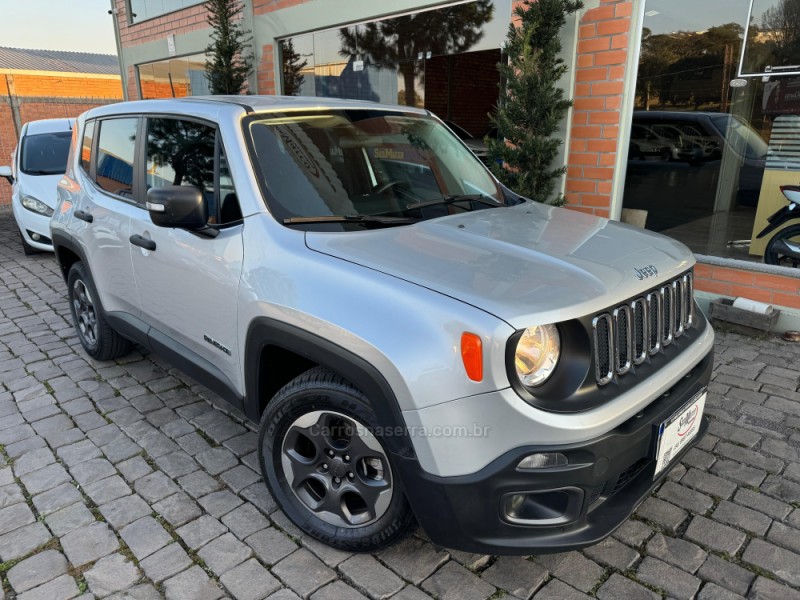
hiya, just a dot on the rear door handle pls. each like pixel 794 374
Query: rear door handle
pixel 142 242
pixel 83 216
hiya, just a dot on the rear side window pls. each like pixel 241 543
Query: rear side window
pixel 115 152
pixel 86 145
pixel 181 153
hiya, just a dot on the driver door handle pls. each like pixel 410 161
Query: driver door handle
pixel 83 216
pixel 142 242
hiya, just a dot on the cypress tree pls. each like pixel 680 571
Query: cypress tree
pixel 227 65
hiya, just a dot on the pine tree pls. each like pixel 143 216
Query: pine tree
pixel 293 65
pixel 532 104
pixel 227 65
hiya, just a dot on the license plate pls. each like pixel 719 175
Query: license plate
pixel 677 431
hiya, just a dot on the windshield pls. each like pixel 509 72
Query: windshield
pixel 366 163
pixel 45 153
pixel 744 140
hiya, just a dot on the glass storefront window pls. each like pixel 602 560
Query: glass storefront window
pixel 141 10
pixel 174 78
pixel 444 59
pixel 700 139
pixel 773 38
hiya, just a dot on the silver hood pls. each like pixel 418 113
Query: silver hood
pixel 528 264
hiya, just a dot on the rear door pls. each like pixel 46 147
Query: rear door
pixel 103 209
pixel 189 283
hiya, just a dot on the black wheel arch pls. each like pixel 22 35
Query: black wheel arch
pixel 269 339
pixel 68 251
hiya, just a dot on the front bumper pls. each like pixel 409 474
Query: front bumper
pixel 606 479
pixel 30 223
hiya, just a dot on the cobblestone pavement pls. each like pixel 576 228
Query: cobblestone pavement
pixel 123 479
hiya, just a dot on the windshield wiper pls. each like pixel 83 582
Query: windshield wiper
pixel 365 219
pixel 42 172
pixel 480 198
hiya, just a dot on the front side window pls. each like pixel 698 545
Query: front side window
pixel 115 152
pixel 45 153
pixel 371 163
pixel 86 145
pixel 181 153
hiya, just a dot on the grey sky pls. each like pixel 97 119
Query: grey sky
pixel 694 15
pixel 76 25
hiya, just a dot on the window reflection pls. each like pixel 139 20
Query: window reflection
pixel 141 10
pixel 174 78
pixel 773 38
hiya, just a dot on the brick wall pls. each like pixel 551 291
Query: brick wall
pixel 66 85
pixel 763 287
pixel 265 71
pixel 183 21
pixel 599 84
pixel 261 7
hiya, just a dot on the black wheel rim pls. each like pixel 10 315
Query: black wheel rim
pixel 85 314
pixel 337 469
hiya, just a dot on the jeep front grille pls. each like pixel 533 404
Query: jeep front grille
pixel 627 334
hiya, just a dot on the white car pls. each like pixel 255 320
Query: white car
pixel 37 164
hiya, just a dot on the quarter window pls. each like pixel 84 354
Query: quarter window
pixel 115 152
pixel 86 146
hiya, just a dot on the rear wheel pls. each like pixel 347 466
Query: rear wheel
pixel 781 248
pixel 97 337
pixel 326 469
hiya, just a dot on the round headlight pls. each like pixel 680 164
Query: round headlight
pixel 537 354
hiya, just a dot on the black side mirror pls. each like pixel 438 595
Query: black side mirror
pixel 177 206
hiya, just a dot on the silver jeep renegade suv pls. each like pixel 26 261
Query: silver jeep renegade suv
pixel 418 343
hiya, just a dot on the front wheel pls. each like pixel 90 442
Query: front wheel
pixel 325 467
pixel 781 248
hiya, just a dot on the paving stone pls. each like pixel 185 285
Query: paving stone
pixel 165 563
pixel 516 575
pixel 22 540
pixel 741 517
pixel 15 516
pixel 104 435
pixel 454 582
pixel 617 587
pixel 578 571
pixel 45 479
pixel 242 444
pixel 62 587
pixel 369 575
pixel 766 589
pixel 710 484
pixel 686 498
pixel 270 545
pixel 177 509
pixel 36 570
pixel 739 473
pixel 56 439
pixel 56 422
pixel 10 494
pixel 762 503
pixel 258 495
pixel 413 559
pixel 674 581
pixel 157 444
pixel 471 560
pixel 558 590
pixel 33 460
pixel 220 503
pixel 726 574
pixel 15 434
pixel 201 531
pixel 89 543
pixel 161 417
pixel 192 584
pixel 59 497
pixel 177 428
pixel 108 489
pixel 217 460
pixel 780 562
pixel 712 591
pixel 244 521
pixel 69 518
pixel 92 470
pixel 198 484
pixel 193 443
pixel 715 536
pixel 303 572
pixel 224 553
pixel 677 552
pixel 18 449
pixel 6 475
pixel 240 477
pixel 337 591
pixel 612 553
pixel 155 487
pixel 134 468
pixel 667 515
pixel 250 581
pixel 781 488
pixel 176 464
pixel 145 536
pixel 749 457
pixel 330 556
pixel 125 510
pixel 78 452
pixel 111 574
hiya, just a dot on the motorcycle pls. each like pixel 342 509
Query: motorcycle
pixel 784 247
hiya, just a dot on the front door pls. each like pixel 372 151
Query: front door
pixel 189 283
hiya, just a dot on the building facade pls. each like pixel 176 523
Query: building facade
pixel 44 84
pixel 686 116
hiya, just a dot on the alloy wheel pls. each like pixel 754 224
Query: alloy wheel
pixel 85 314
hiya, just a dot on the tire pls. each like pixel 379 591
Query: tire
pixel 771 256
pixel 26 247
pixel 98 339
pixel 313 459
